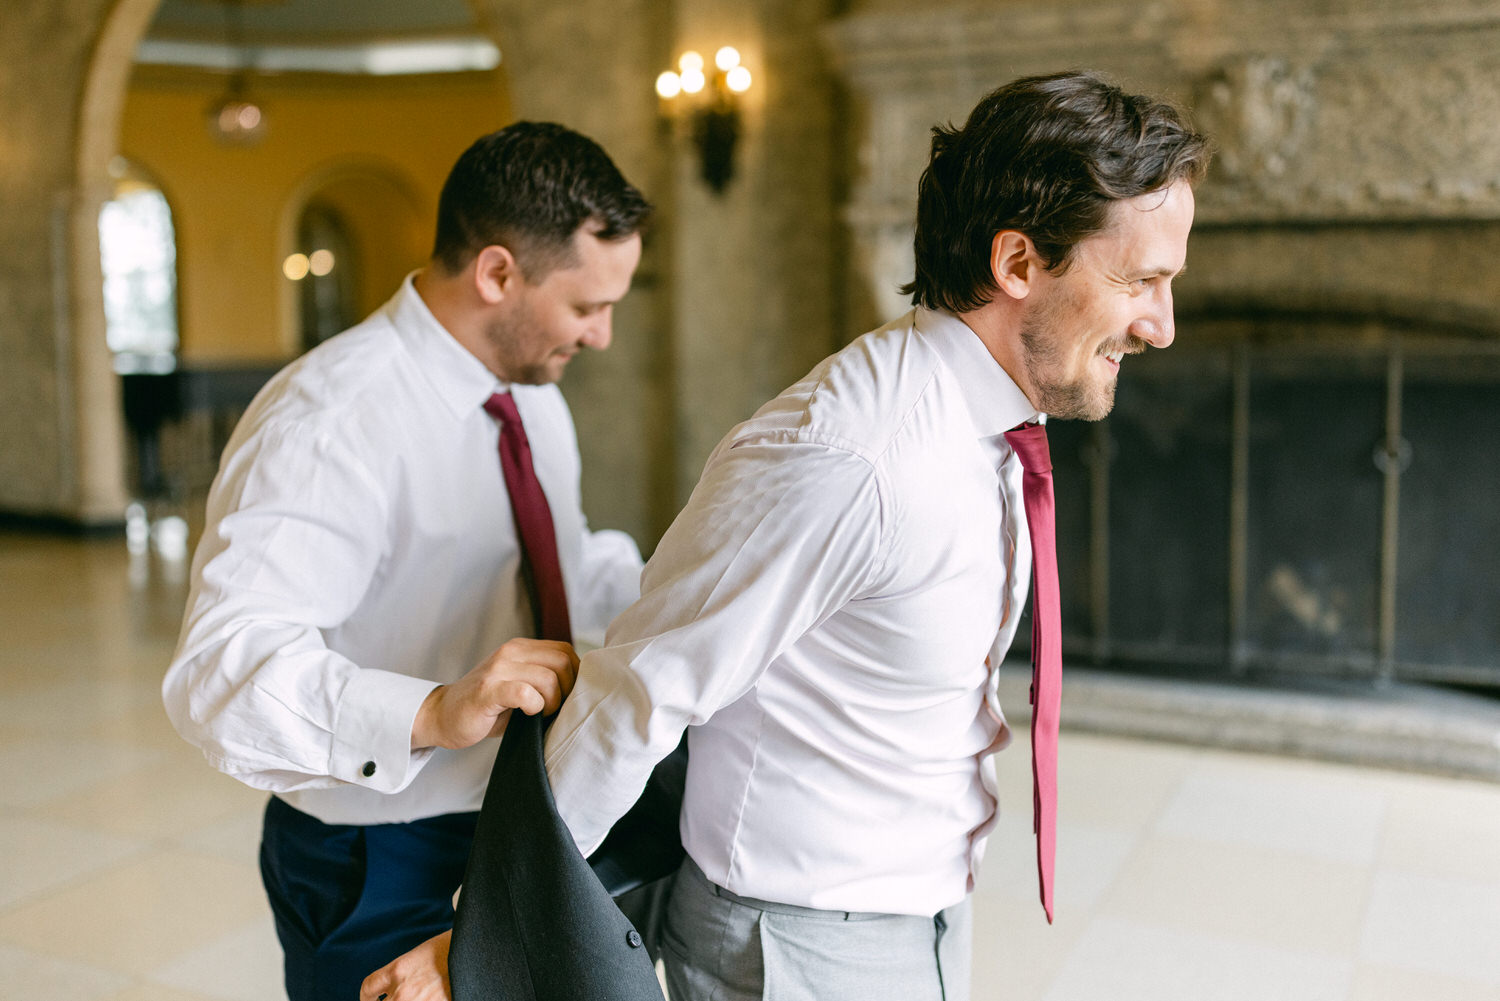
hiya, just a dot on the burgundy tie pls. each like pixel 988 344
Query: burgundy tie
pixel 533 523
pixel 1030 444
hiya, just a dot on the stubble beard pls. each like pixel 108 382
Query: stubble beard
pixel 507 335
pixel 1078 400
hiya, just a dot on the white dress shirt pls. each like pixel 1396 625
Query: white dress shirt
pixel 359 550
pixel 823 614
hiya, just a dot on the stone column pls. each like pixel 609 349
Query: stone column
pixel 590 65
pixel 735 298
pixel 61 452
pixel 756 305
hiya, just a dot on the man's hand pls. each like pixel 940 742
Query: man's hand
pixel 419 975
pixel 530 675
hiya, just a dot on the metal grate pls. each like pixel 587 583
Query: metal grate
pixel 1291 494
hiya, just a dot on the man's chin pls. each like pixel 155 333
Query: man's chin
pixel 1075 403
pixel 542 375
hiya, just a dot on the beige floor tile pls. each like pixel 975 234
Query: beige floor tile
pixel 1277 900
pixel 1016 953
pixel 33 772
pixel 1088 862
pixel 244 965
pixel 158 992
pixel 1109 782
pixel 81 702
pixel 236 838
pixel 1384 983
pixel 37 856
pixel 1120 960
pixel 1444 828
pixel 1297 769
pixel 140 916
pixel 26 976
pixel 1318 814
pixel 144 725
pixel 1432 925
pixel 174 797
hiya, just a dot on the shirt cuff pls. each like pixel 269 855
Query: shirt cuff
pixel 372 740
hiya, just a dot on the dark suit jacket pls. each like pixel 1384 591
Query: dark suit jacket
pixel 535 922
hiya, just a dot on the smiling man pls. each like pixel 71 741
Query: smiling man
pixel 825 616
pixel 362 613
pixel 826 613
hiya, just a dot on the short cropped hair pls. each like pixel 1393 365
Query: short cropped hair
pixel 1044 155
pixel 528 188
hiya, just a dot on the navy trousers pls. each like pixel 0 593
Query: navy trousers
pixel 349 899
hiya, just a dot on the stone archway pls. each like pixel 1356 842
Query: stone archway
pixel 99 494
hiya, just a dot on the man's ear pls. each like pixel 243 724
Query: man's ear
pixel 495 273
pixel 1014 263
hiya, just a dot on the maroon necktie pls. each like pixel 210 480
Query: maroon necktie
pixel 1030 444
pixel 543 572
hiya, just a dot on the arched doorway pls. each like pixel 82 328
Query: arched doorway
pixel 351 233
pixel 138 253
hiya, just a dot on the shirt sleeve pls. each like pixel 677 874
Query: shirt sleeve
pixel 609 580
pixel 296 532
pixel 776 537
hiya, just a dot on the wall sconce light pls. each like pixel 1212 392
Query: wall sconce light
pixel 711 104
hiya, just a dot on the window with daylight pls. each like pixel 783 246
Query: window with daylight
pixel 138 252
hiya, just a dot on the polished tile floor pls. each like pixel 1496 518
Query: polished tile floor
pixel 127 866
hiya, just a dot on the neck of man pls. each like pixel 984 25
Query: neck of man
pixel 455 305
pixel 998 325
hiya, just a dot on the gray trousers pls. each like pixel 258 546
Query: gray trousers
pixel 717 946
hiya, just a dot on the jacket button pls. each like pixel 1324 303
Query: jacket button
pixel 368 769
pixel 633 939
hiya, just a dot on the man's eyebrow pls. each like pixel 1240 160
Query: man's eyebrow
pixel 1167 272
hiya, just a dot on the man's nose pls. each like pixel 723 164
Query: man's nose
pixel 1157 328
pixel 599 333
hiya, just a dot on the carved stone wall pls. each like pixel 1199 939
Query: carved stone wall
pixel 1339 116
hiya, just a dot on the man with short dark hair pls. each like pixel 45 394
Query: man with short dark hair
pixel 827 612
pixel 826 615
pixel 360 556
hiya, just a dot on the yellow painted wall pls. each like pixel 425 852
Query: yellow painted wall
pixel 378 147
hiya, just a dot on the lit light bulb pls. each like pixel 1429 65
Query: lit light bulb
pixel 738 79
pixel 320 262
pixel 690 62
pixel 248 117
pixel 727 58
pixel 668 85
pixel 296 267
pixel 693 81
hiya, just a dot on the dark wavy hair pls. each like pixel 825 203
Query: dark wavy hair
pixel 1045 155
pixel 528 188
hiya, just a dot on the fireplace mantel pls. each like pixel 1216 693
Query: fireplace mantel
pixel 1385 114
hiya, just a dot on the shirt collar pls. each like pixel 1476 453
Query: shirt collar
pixel 995 403
pixel 460 379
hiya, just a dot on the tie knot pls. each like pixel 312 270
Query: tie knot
pixel 1029 442
pixel 502 406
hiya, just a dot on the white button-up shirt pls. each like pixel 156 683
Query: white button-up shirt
pixel 359 550
pixel 824 614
